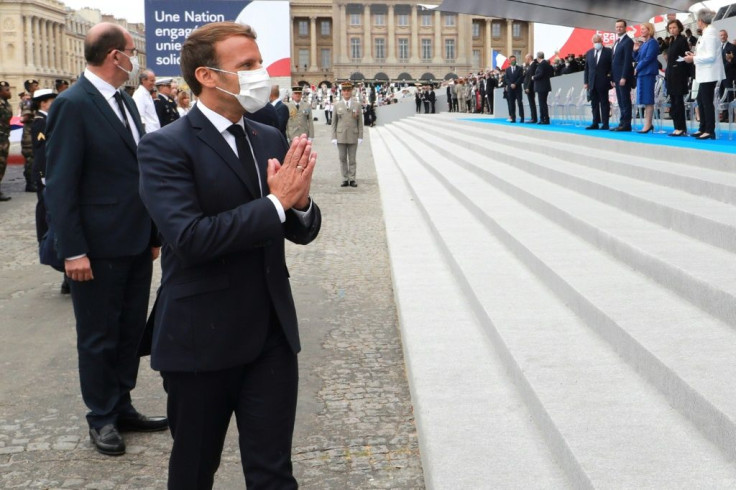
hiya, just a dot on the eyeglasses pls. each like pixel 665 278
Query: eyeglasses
pixel 133 51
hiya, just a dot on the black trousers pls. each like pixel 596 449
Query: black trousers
pixel 543 107
pixel 111 316
pixel 262 395
pixel 706 107
pixel 677 112
pixel 515 99
pixel 623 95
pixel 600 105
pixel 532 104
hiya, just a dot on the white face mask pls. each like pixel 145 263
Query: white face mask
pixel 255 87
pixel 133 73
pixel 598 46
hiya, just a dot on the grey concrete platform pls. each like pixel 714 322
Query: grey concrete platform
pixel 355 421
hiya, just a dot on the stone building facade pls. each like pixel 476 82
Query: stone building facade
pixel 44 40
pixel 396 40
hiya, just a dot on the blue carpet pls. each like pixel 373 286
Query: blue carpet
pixel 722 145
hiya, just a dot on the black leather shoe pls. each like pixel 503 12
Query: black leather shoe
pixel 30 188
pixel 605 127
pixel 4 197
pixel 107 440
pixel 592 126
pixel 65 289
pixel 531 121
pixel 140 423
pixel 696 134
pixel 353 183
pixel 624 129
pixel 344 183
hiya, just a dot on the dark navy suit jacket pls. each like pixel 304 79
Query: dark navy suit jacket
pixel 92 177
pixel 598 75
pixel 224 269
pixel 622 64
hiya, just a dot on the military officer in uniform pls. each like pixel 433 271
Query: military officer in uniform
pixel 6 113
pixel 26 142
pixel 300 116
pixel 347 133
pixel 165 104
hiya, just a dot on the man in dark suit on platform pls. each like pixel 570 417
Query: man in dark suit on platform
pixel 514 90
pixel 529 71
pixel 543 86
pixel 225 192
pixel 103 231
pixel 282 112
pixel 598 81
pixel 622 69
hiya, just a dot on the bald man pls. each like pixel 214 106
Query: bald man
pixel 104 233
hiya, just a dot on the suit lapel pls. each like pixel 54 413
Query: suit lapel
pixel 104 107
pixel 212 138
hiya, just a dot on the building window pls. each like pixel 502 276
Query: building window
pixel 450 49
pixel 403 49
pixel 426 19
pixel 380 48
pixel 476 58
pixel 426 49
pixel 303 58
pixel 324 27
pixel 516 30
pixel 379 19
pixel 355 19
pixel 355 48
pixel 476 29
pixel 450 20
pixel 326 58
pixel 403 20
pixel 303 28
pixel 496 29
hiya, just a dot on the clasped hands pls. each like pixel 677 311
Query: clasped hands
pixel 290 181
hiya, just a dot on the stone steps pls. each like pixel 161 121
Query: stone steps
pixel 625 375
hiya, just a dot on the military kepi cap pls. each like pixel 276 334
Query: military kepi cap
pixel 296 89
pixel 4 85
pixel 43 94
pixel 346 86
pixel 164 81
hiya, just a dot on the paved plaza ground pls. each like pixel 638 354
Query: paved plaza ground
pixel 355 425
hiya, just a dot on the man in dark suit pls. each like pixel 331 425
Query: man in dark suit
pixel 282 112
pixel 226 192
pixel 103 231
pixel 728 53
pixel 598 81
pixel 543 86
pixel 529 71
pixel 622 69
pixel 514 91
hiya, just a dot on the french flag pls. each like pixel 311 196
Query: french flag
pixel 499 61
pixel 271 20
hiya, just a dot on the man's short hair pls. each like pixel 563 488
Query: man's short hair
pixel 96 50
pixel 143 76
pixel 199 48
pixel 622 21
pixel 540 55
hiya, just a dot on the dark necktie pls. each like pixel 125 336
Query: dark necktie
pixel 297 107
pixel 246 158
pixel 121 106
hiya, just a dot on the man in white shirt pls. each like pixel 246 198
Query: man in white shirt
pixel 144 101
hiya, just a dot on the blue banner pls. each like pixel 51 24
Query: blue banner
pixel 169 23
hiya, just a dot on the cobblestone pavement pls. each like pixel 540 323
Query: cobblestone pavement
pixel 355 426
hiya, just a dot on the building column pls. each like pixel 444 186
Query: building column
pixel 313 41
pixel 37 42
pixel 509 38
pixel 489 44
pixel 368 51
pixel 42 44
pixel 343 46
pixel 414 47
pixel 462 44
pixel 59 51
pixel 438 55
pixel 530 30
pixel 28 41
pixel 391 43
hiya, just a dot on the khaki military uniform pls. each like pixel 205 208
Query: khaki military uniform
pixel 6 113
pixel 26 141
pixel 300 120
pixel 347 129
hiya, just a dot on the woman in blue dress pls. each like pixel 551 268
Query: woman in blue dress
pixel 646 50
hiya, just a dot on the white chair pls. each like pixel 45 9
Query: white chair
pixel 723 103
pixel 661 102
pixel 580 108
pixel 554 103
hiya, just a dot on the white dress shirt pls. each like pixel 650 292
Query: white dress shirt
pixel 108 92
pixel 144 102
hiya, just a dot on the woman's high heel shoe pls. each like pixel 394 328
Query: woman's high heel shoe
pixel 707 136
pixel 644 131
